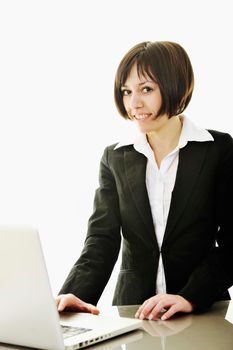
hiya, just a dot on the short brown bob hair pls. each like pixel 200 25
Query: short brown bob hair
pixel 166 63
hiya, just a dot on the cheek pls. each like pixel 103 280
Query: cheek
pixel 156 101
pixel 124 102
pixel 126 105
pixel 159 98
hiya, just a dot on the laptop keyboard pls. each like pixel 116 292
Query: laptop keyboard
pixel 69 331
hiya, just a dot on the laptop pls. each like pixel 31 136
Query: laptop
pixel 28 313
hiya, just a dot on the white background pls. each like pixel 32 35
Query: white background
pixel 57 66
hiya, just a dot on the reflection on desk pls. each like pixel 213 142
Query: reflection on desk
pixel 210 330
pixel 159 328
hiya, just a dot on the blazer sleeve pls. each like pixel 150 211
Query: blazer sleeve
pixel 211 279
pixel 90 274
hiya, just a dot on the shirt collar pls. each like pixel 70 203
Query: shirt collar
pixel 189 132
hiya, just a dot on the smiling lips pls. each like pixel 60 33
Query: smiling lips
pixel 142 116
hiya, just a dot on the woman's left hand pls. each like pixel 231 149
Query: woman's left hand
pixel 168 304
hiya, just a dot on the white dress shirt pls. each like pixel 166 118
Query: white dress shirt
pixel 160 181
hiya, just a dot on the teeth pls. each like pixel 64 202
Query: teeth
pixel 141 116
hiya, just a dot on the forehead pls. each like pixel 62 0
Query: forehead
pixel 136 76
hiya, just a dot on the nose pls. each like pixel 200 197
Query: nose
pixel 135 101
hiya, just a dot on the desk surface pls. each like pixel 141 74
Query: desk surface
pixel 203 331
pixel 210 330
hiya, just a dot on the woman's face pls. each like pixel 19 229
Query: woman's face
pixel 142 101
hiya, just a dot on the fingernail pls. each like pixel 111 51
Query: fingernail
pixel 163 318
pixel 141 317
pixel 136 315
pixel 150 317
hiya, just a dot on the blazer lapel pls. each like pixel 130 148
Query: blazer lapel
pixel 135 168
pixel 191 159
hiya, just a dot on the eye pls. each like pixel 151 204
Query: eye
pixel 125 92
pixel 147 89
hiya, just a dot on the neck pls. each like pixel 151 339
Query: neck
pixel 166 137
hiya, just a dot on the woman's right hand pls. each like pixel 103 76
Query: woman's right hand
pixel 69 302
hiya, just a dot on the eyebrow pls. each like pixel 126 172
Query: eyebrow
pixel 142 83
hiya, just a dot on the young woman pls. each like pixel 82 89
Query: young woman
pixel 167 194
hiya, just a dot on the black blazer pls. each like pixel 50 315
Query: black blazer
pixel 197 249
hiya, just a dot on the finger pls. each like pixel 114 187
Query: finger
pixel 139 310
pixel 171 311
pixel 67 301
pixel 147 307
pixel 57 300
pixel 94 310
pixel 165 302
pixel 60 301
pixel 160 307
pixel 61 304
pixel 85 307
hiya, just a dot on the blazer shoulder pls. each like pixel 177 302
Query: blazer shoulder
pixel 223 145
pixel 112 152
pixel 112 148
pixel 222 140
pixel 113 157
pixel 221 137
